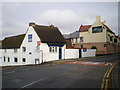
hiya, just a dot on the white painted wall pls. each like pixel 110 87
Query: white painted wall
pixel 42 54
pixel 88 53
pixel 71 53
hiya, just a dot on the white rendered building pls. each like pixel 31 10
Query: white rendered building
pixel 39 44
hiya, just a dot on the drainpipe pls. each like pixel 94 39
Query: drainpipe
pixel 64 54
pixel 41 51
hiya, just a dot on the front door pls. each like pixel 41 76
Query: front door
pixel 79 53
pixel 60 53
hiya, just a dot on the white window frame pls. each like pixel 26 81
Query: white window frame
pixel 52 49
pixel 15 50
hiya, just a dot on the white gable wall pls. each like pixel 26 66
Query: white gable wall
pixel 43 54
pixel 30 47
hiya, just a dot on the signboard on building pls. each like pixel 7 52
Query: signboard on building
pixel 38 42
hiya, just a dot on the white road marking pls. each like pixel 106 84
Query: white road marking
pixel 9 72
pixel 25 69
pixel 34 82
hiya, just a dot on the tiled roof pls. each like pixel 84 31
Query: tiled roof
pixel 84 28
pixel 49 35
pixel 13 42
pixel 66 36
pixel 74 34
pixel 108 29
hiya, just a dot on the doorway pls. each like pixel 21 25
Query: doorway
pixel 60 53
pixel 79 53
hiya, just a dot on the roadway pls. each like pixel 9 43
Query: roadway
pixel 74 74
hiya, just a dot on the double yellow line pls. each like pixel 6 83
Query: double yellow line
pixel 106 78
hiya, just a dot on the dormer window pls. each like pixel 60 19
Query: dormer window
pixel 97 29
pixel 15 50
pixel 30 38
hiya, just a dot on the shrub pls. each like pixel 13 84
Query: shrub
pixel 93 47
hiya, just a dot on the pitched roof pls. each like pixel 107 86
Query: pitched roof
pixel 74 34
pixel 66 36
pixel 108 29
pixel 84 28
pixel 13 42
pixel 49 35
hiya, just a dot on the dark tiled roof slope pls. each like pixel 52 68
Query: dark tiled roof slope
pixel 13 42
pixel 49 34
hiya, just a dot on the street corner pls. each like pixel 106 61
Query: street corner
pixel 89 63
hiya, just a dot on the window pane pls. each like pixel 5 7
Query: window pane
pixel 30 38
pixel 24 59
pixel 15 60
pixel 97 29
pixel 55 49
pixel 24 49
pixel 81 39
pixel 8 59
pixel 15 50
pixel 4 58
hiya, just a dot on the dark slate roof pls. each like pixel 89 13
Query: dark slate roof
pixel 13 42
pixel 75 34
pixel 49 35
pixel 66 36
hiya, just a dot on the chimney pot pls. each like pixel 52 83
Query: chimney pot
pixel 51 25
pixel 98 18
pixel 32 24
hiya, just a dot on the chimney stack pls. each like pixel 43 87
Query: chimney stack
pixel 98 18
pixel 51 25
pixel 32 24
pixel 104 22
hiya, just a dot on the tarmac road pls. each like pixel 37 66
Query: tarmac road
pixel 56 76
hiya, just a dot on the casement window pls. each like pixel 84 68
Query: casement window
pixel 15 50
pixel 24 59
pixel 52 49
pixel 75 40
pixel 15 59
pixel 81 39
pixel 111 38
pixel 72 40
pixel 24 49
pixel 115 40
pixel 30 38
pixel 97 29
pixel 4 58
pixel 81 46
pixel 8 59
pixel 5 50
pixel 105 45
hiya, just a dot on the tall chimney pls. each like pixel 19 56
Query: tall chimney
pixel 98 18
pixel 97 21
pixel 32 24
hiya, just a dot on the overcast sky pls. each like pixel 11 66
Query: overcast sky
pixel 67 16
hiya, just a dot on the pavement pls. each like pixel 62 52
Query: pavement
pixel 71 73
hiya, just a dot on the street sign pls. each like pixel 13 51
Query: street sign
pixel 84 50
pixel 38 42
